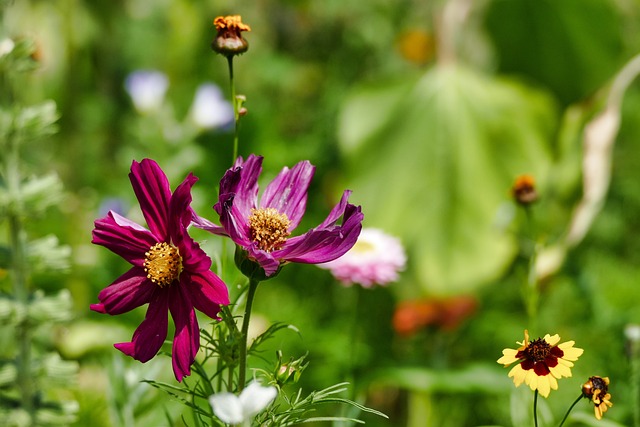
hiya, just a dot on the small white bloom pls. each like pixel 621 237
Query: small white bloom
pixel 147 89
pixel 375 259
pixel 209 109
pixel 632 332
pixel 6 46
pixel 232 409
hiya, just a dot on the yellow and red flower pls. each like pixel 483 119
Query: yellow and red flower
pixel 541 362
pixel 597 390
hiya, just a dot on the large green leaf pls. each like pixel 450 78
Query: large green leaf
pixel 433 162
pixel 570 46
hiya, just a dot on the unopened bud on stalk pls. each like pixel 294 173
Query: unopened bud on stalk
pixel 229 41
pixel 524 190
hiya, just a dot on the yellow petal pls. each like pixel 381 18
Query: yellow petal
pixel 509 356
pixel 518 374
pixel 560 371
pixel 552 382
pixel 543 386
pixel 552 340
pixel 570 352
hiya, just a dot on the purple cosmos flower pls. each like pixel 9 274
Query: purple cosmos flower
pixel 263 228
pixel 170 271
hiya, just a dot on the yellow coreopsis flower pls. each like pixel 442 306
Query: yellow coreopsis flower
pixel 541 362
pixel 597 389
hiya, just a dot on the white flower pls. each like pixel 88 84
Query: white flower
pixel 147 89
pixel 240 410
pixel 209 109
pixel 375 259
pixel 6 47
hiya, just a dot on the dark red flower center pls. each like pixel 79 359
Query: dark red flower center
pixel 539 356
pixel 537 350
pixel 163 264
pixel 268 228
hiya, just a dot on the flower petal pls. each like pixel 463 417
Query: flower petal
pixel 227 407
pixel 208 292
pixel 324 244
pixel 543 386
pixel 234 222
pixel 180 212
pixel 242 182
pixel 154 194
pixel 205 224
pixel 570 352
pixel 186 340
pixel 266 259
pixel 508 357
pixel 151 333
pixel 123 237
pixel 127 292
pixel 518 374
pixel 287 193
pixel 255 398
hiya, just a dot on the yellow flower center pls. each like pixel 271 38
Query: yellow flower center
pixel 269 228
pixel 537 350
pixel 163 264
pixel 362 247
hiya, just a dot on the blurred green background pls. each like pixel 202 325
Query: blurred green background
pixel 428 111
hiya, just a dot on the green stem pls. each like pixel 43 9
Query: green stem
pixel 19 270
pixel 570 409
pixel 253 285
pixel 535 408
pixel 236 112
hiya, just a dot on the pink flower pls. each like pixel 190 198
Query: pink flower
pixel 375 259
pixel 169 270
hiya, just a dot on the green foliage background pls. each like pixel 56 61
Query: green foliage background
pixel 429 133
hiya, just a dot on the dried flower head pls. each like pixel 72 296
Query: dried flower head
pixel 524 190
pixel 541 362
pixel 229 40
pixel 597 390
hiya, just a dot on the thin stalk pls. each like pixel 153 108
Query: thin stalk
pixel 570 409
pixel 253 285
pixel 19 276
pixel 236 112
pixel 535 408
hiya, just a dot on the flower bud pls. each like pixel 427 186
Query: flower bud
pixel 524 190
pixel 249 266
pixel 289 372
pixel 229 40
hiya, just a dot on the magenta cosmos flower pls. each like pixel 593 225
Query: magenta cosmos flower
pixel 170 271
pixel 262 228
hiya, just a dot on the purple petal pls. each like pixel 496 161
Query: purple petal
pixel 241 185
pixel 267 261
pixel 194 259
pixel 235 223
pixel 337 211
pixel 324 245
pixel 205 224
pixel 127 292
pixel 186 340
pixel 123 237
pixel 154 193
pixel 180 213
pixel 287 193
pixel 208 292
pixel 151 333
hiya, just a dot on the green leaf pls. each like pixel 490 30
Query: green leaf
pixel 554 42
pixel 436 168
